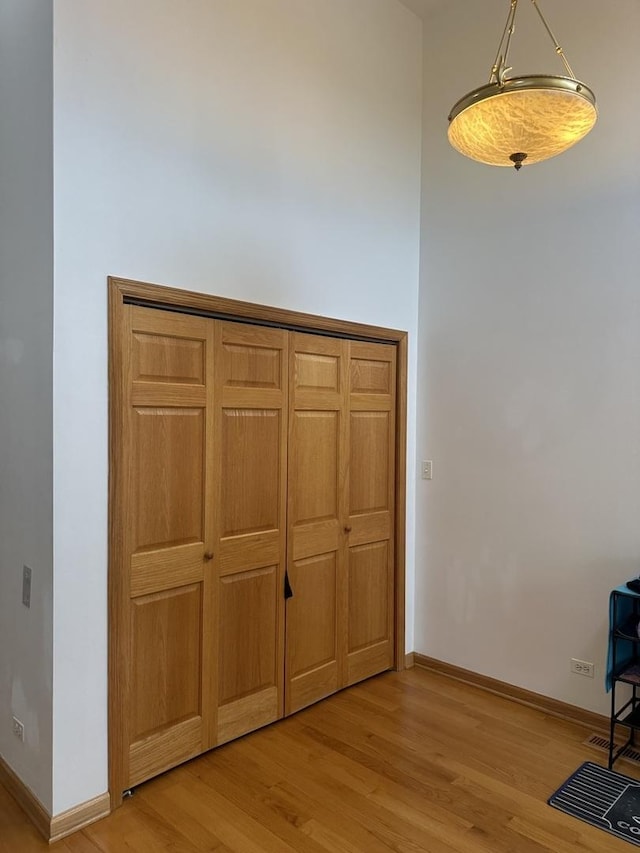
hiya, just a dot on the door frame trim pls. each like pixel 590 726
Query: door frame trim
pixel 123 291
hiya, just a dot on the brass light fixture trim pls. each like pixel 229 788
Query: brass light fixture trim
pixel 516 121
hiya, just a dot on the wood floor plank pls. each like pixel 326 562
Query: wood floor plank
pixel 262 807
pixel 408 762
pixel 390 821
pixel 16 830
pixel 334 799
pixel 77 843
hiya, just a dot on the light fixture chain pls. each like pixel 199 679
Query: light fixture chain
pixel 499 68
pixel 559 50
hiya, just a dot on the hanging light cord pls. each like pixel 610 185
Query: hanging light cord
pixel 559 50
pixel 499 68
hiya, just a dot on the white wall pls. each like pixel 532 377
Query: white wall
pixel 264 151
pixel 529 362
pixel 26 328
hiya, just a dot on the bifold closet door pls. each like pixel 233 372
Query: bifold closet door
pixel 339 620
pixel 245 453
pixel 315 614
pixel 204 447
pixel 166 638
pixel 371 491
pixel 249 563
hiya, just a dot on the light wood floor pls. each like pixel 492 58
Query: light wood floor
pixel 404 762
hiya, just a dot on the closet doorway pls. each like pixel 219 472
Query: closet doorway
pixel 257 517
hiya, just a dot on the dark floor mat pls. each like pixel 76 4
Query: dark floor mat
pixel 602 798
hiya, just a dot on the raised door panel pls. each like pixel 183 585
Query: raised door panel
pixel 169 482
pixel 316 449
pixel 167 449
pixel 250 471
pixel 370 463
pixel 251 528
pixel 165 358
pixel 312 652
pixel 369 628
pixel 248 687
pixel 371 468
pixel 167 636
pixel 317 457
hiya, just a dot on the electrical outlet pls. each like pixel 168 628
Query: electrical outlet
pixel 582 667
pixel 427 469
pixel 26 586
pixel 18 728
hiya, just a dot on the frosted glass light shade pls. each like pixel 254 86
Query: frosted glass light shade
pixel 537 116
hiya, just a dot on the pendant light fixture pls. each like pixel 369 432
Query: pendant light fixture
pixel 516 121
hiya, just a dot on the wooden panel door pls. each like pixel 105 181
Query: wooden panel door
pixel 251 477
pixel 167 432
pixel 371 485
pixel 317 510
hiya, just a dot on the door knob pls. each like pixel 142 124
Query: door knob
pixel 347 528
pixel 208 555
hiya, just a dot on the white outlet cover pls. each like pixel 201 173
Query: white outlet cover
pixel 18 728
